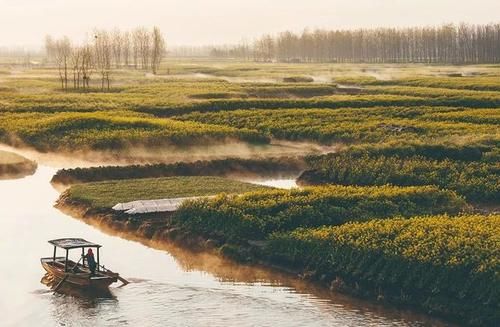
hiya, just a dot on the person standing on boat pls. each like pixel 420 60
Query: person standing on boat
pixel 91 261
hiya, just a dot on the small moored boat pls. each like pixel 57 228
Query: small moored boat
pixel 65 270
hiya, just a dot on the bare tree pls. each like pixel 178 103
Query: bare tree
pixel 144 40
pixel 87 65
pixel 117 46
pixel 441 44
pixel 62 54
pixel 50 48
pixel 157 50
pixel 136 46
pixel 126 48
pixel 106 50
pixel 103 55
pixel 75 59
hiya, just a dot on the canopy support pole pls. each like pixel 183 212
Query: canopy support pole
pixel 66 262
pixel 97 259
pixel 54 257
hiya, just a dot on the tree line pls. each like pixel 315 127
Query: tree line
pixel 103 52
pixel 458 44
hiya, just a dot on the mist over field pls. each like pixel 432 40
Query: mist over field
pixel 250 163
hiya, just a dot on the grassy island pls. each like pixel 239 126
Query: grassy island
pixel 15 166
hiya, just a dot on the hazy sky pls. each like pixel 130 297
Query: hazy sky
pixel 25 22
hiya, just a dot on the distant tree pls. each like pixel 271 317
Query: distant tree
pixel 136 46
pixel 62 53
pixel 50 48
pixel 87 65
pixel 76 56
pixel 157 50
pixel 144 47
pixel 126 48
pixel 463 43
pixel 103 50
pixel 117 46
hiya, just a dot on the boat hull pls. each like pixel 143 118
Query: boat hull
pixel 81 278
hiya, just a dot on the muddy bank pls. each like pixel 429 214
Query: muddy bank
pixel 20 170
pixel 160 229
pixel 152 226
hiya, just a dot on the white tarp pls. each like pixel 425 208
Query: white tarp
pixel 148 206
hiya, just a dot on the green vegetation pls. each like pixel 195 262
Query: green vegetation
pixel 253 216
pixel 357 125
pixel 271 167
pixel 298 79
pixel 430 131
pixel 480 83
pixel 64 131
pixel 404 149
pixel 444 265
pixel 9 158
pixel 14 166
pixel 209 102
pixel 467 170
pixel 104 195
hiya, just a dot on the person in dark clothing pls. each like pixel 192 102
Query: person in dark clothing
pixel 91 261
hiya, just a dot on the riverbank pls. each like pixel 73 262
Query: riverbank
pixel 15 166
pixel 194 252
pixel 168 228
pixel 171 283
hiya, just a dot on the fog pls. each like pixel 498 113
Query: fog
pixel 196 22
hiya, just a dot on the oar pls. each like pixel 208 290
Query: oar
pixel 66 276
pixel 61 282
pixel 121 279
pixel 76 264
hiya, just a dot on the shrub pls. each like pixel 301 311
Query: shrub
pixel 298 79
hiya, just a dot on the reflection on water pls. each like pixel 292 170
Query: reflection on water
pixel 90 294
pixel 170 286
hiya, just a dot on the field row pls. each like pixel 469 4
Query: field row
pixel 282 167
pixel 104 130
pixel 478 82
pixel 478 181
pixel 83 131
pixel 253 216
pixel 441 264
pixel 377 124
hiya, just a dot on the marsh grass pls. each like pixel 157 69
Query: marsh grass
pixel 106 194
pixel 9 158
pixel 208 101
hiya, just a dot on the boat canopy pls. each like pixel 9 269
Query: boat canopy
pixel 73 243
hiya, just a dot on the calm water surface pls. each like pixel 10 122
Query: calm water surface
pixel 170 286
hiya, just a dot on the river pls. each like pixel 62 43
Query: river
pixel 170 286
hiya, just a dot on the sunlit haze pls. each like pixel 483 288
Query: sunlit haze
pixel 196 22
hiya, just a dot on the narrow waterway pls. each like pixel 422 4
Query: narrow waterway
pixel 170 286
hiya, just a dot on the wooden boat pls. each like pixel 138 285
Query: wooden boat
pixel 74 273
